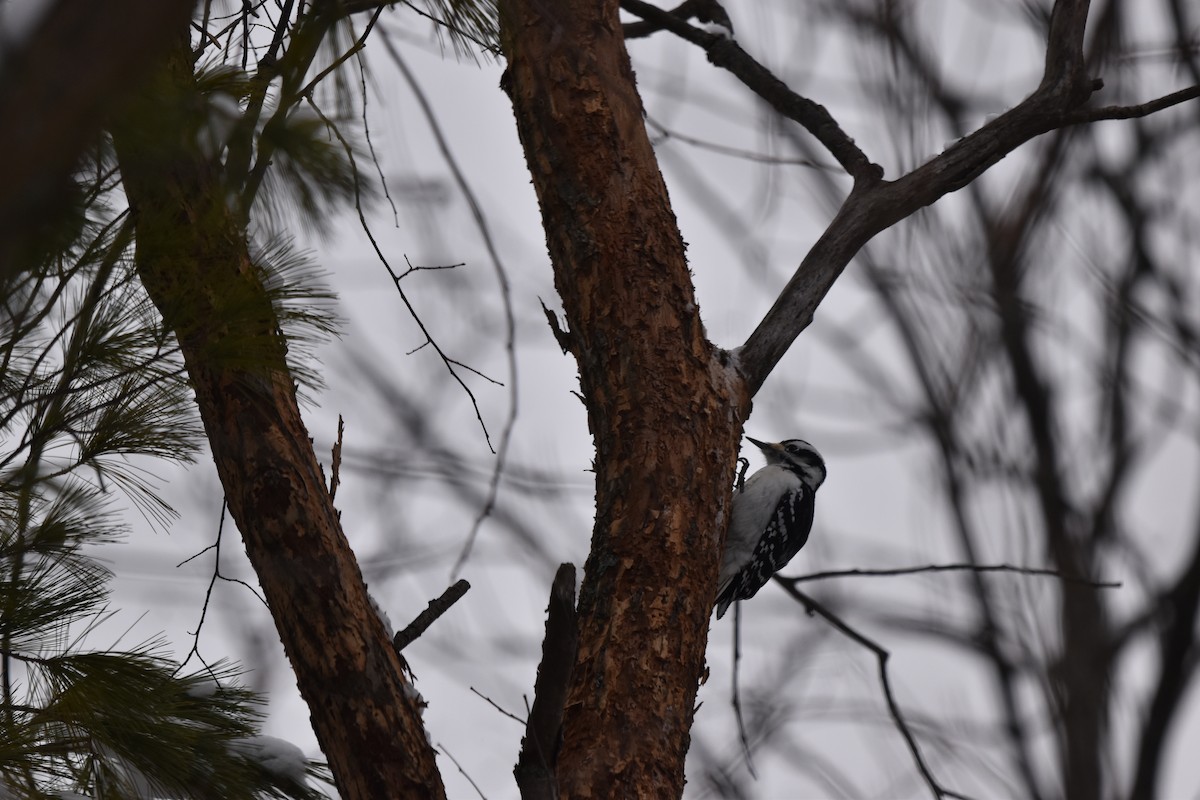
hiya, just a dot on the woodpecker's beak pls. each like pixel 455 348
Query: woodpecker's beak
pixel 764 446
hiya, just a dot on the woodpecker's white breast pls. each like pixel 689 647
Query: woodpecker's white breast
pixel 752 509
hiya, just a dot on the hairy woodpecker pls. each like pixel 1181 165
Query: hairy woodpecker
pixel 771 519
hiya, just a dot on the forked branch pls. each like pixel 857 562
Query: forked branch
pixel 724 52
pixel 874 204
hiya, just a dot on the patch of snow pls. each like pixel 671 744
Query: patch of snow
pixel 411 693
pixel 379 612
pixel 204 687
pixel 277 756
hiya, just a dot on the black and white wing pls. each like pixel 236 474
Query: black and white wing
pixel 785 533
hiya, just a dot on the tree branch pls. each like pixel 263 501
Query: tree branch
pixel 813 607
pixel 194 261
pixel 430 615
pixel 1064 47
pixel 847 573
pixel 873 207
pixel 1085 115
pixel 536 770
pixel 703 10
pixel 629 299
pixel 726 53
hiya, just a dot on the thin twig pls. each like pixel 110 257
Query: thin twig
pixel 510 325
pixel 429 340
pixel 195 650
pixel 430 615
pixel 354 50
pixel 737 699
pixel 362 82
pixel 462 771
pixel 1039 571
pixel 1132 112
pixel 362 218
pixel 496 705
pixel 425 268
pixel 881 655
pixel 208 592
pixel 733 152
pixel 194 556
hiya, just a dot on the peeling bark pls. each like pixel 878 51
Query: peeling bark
pixel 664 406
pixel 537 763
pixel 193 258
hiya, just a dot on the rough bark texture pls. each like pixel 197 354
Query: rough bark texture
pixel 193 258
pixel 537 763
pixel 664 406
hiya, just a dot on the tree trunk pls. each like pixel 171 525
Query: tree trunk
pixel 193 258
pixel 665 407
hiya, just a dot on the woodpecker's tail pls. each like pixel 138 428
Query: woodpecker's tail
pixel 725 598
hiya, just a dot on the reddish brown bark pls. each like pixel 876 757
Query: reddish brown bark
pixel 664 407
pixel 193 259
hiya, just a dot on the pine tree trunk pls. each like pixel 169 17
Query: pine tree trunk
pixel 665 407
pixel 192 256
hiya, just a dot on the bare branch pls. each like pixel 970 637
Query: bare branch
pixel 737 697
pixel 536 770
pixel 702 10
pixel 462 771
pixel 208 592
pixel 872 207
pixel 510 325
pixel 354 50
pixel 1084 115
pixel 396 278
pixel 665 134
pixel 1064 47
pixel 497 706
pixel 1052 573
pixel 813 607
pixel 726 53
pixel 430 615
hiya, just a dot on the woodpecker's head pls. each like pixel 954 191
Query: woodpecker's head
pixel 797 455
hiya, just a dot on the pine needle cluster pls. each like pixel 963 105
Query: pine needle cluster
pixel 92 391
